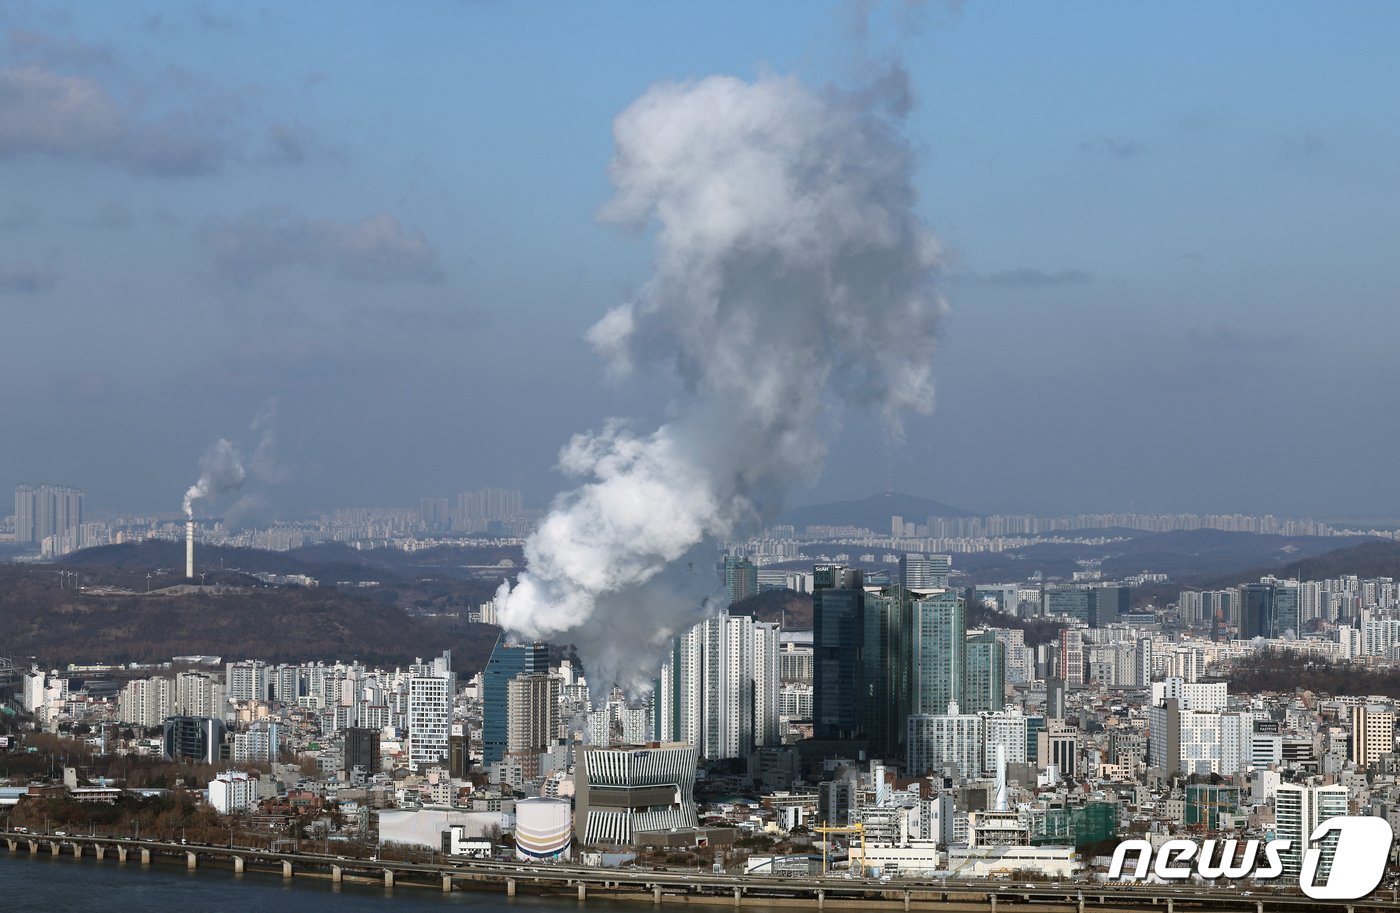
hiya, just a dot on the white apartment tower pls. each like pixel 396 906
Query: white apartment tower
pixel 431 687
pixel 719 688
pixel 1298 810
pixel 146 701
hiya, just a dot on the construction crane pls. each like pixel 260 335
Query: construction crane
pixel 858 829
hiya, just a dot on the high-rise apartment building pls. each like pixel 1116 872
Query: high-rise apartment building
pixel 740 577
pixel 719 687
pixel 44 511
pixel 146 702
pixel 924 572
pixel 431 688
pixel 1372 735
pixel 435 514
pixel 249 680
pixel 985 688
pixel 795 661
pixel 1071 656
pixel 477 509
pixel 1008 728
pixel 233 791
pixel 1298 810
pixel 198 694
pixel 260 743
pixel 532 712
pixel 946 740
pixel 939 653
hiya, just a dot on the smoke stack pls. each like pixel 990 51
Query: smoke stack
pixel 1001 802
pixel 189 549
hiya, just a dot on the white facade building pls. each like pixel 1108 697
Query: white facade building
pixel 938 740
pixel 719 687
pixel 1298 810
pixel 146 701
pixel 431 687
pixel 1008 727
pixel 233 790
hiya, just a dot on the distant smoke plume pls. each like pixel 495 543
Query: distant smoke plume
pixel 792 275
pixel 224 468
pixel 220 470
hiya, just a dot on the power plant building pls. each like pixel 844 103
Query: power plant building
pixel 621 792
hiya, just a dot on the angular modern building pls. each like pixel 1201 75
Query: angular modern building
pixel 889 671
pixel 619 792
pixel 1095 606
pixel 506 662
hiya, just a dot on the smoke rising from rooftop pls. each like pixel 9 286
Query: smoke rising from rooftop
pixel 792 277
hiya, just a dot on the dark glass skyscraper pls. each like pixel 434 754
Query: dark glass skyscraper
pixel 1106 603
pixel 362 750
pixel 838 634
pixel 198 738
pixel 506 662
pixel 888 669
pixel 1257 610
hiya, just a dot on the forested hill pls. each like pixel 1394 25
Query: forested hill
pixel 43 614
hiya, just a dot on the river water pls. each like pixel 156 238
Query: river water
pixel 44 884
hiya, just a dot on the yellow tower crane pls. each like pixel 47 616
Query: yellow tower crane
pixel 857 829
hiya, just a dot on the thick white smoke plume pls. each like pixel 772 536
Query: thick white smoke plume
pixel 792 275
pixel 224 468
pixel 220 470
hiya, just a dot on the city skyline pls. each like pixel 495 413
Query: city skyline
pixel 877 452
pixel 370 233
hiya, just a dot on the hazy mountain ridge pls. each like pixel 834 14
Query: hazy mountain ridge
pixel 873 512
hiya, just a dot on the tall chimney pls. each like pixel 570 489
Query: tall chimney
pixel 1001 803
pixel 189 548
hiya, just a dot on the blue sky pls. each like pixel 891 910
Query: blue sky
pixel 1170 232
